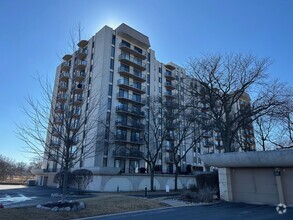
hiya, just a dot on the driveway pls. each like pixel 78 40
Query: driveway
pixel 18 195
pixel 223 210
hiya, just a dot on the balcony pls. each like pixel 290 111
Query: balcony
pixel 121 138
pixel 63 86
pixel 136 140
pixel 169 114
pixel 61 97
pixel 129 110
pixel 207 134
pixel 136 75
pixel 138 64
pixel 60 109
pixel 67 57
pixel 130 98
pixel 79 76
pixel 169 95
pixel 76 113
pixel 170 137
pixel 133 50
pixel 169 75
pixel 130 125
pixel 131 86
pixel 56 132
pixel 65 66
pixel 169 159
pixel 170 85
pixel 77 100
pixel 80 65
pixel 81 54
pixel 78 88
pixel 64 76
pixel 74 127
pixel 170 66
pixel 58 120
pixel 82 43
pixel 208 144
pixel 55 144
pixel 132 154
pixel 168 148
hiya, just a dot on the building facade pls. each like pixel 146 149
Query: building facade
pixel 108 82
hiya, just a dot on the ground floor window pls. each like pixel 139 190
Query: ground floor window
pixel 121 164
pixel 133 166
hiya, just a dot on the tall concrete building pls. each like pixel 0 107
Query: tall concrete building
pixel 115 73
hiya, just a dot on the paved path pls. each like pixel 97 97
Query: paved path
pixel 223 210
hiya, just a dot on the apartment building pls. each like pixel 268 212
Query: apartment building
pixel 107 82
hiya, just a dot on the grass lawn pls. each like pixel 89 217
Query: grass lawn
pixel 94 206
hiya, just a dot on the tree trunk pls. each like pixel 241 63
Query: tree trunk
pixel 176 177
pixel 64 186
pixel 152 178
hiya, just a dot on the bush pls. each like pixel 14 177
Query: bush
pixel 192 188
pixel 208 180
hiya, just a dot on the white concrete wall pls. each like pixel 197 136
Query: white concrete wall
pixel 128 182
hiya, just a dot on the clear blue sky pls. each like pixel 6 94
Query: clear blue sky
pixel 34 33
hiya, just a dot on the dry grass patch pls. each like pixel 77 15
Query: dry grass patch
pixel 100 205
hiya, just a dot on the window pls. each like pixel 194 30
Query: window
pixel 160 79
pixel 149 57
pixel 125 43
pixel 108 117
pixel 93 44
pixel 160 69
pixel 113 39
pixel 133 166
pixel 160 89
pixel 121 164
pixel 105 162
pixel 112 64
pixel 109 103
pixel 148 78
pixel 148 90
pixel 138 50
pixel 112 51
pixel 110 90
pixel 111 76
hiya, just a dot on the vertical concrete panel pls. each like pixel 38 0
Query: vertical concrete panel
pixel 254 185
pixel 287 183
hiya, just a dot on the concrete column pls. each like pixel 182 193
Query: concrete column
pixel 225 185
pixel 277 173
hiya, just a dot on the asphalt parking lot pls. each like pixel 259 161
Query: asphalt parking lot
pixel 18 195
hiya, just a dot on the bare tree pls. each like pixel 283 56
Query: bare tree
pixel 58 129
pixel 224 84
pixel 154 136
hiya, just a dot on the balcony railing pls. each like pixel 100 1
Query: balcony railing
pixel 169 85
pixel 65 66
pixel 131 124
pixel 127 154
pixel 61 97
pixel 78 88
pixel 169 95
pixel 133 50
pixel 169 159
pixel 64 76
pixel 130 85
pixel 80 65
pixel 77 100
pixel 79 76
pixel 55 143
pixel 81 53
pixel 63 86
pixel 129 110
pixel 137 63
pixel 169 75
pixel 131 98
pixel 129 72
pixel 58 120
